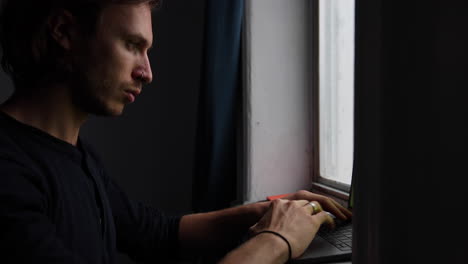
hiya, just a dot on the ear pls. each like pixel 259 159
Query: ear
pixel 62 27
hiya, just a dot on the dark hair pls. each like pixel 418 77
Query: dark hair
pixel 28 51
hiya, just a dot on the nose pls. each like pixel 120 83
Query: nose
pixel 143 73
pixel 148 76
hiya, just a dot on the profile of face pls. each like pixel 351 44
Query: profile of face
pixel 111 66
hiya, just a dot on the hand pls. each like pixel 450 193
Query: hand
pixel 294 221
pixel 327 203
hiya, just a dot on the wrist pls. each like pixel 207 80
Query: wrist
pixel 259 209
pixel 279 247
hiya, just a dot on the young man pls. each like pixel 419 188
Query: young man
pixel 69 59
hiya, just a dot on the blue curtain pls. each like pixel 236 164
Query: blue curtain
pixel 219 102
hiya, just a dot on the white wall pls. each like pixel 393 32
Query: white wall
pixel 277 97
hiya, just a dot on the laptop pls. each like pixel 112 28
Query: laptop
pixel 330 245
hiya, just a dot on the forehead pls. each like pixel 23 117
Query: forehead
pixel 127 19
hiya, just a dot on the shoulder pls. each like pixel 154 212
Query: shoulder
pixel 10 150
pixel 16 164
pixel 19 176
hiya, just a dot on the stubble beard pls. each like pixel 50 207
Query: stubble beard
pixel 95 96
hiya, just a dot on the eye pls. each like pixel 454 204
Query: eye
pixel 132 46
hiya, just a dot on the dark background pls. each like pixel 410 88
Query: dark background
pixel 411 137
pixel 149 150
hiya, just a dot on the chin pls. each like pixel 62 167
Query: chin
pixel 114 111
pixel 98 106
pixel 107 110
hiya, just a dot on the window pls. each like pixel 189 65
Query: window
pixel 334 56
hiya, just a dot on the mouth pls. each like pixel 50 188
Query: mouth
pixel 132 94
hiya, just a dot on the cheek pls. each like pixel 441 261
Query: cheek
pixel 121 62
pixel 112 63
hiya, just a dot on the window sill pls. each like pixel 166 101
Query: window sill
pixel 338 195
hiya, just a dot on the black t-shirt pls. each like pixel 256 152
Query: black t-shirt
pixel 57 205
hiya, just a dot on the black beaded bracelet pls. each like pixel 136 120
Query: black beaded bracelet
pixel 281 236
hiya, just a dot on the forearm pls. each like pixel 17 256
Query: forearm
pixel 216 230
pixel 263 248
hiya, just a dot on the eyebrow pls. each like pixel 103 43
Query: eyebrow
pixel 139 39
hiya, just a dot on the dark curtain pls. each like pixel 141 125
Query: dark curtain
pixel 411 133
pixel 215 184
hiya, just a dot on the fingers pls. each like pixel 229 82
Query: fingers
pixel 328 204
pixel 335 208
pixel 325 218
pixel 342 209
pixel 313 207
pixel 346 211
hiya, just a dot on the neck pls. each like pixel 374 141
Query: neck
pixel 49 109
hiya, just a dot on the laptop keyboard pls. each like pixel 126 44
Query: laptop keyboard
pixel 341 237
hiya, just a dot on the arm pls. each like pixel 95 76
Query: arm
pixel 217 230
pixel 144 233
pixel 264 248
pixel 293 220
pixel 224 227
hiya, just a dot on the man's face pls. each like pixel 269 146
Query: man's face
pixel 108 67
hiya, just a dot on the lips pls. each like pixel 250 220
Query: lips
pixel 132 94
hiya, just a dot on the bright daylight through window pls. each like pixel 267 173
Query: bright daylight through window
pixel 336 89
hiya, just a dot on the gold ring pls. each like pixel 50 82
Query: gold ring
pixel 315 207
